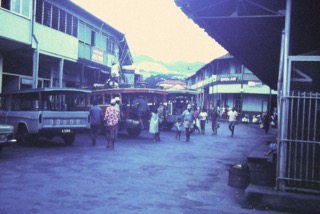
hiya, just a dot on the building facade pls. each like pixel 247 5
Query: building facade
pixel 47 43
pixel 226 83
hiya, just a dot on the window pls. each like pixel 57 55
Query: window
pixel 56 18
pixel 5 4
pixel 26 8
pixel 82 31
pixel 87 34
pixel 75 27
pixel 104 42
pixel 110 45
pixel 62 21
pixel 39 9
pixel 15 6
pixel 69 24
pixel 21 7
pixel 47 14
pixel 93 38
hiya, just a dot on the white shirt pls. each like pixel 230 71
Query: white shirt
pixel 203 115
pixel 232 116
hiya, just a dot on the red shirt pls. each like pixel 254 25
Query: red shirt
pixel 112 116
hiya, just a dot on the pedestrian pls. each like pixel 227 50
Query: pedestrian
pixel 118 106
pixel 266 122
pixel 196 122
pixel 154 125
pixel 115 74
pixel 141 107
pixel 233 115
pixel 214 119
pixel 178 126
pixel 111 118
pixel 203 119
pixel 161 115
pixel 96 119
pixel 188 119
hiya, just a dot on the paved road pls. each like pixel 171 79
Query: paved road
pixel 139 176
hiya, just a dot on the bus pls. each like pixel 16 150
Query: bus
pixel 45 112
pixel 129 97
pixel 176 103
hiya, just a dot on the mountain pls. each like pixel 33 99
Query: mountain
pixel 148 66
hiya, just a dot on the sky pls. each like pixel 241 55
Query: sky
pixel 156 28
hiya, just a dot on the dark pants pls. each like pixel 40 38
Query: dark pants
pixel 94 131
pixel 188 133
pixel 178 135
pixel 111 135
pixel 266 127
pixel 203 125
pixel 156 136
pixel 213 125
pixel 231 126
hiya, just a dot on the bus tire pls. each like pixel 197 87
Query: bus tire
pixel 23 136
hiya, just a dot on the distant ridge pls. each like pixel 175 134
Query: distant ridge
pixel 150 66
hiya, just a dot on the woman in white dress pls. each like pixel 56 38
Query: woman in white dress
pixel 154 125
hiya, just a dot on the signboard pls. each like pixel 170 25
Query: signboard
pixel 25 81
pixel 97 55
pixel 254 84
pixel 228 79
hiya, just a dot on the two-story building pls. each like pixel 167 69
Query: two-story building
pixel 46 43
pixel 226 83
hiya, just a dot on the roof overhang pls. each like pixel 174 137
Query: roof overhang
pixel 250 30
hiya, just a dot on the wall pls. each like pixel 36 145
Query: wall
pixel 56 43
pixel 15 27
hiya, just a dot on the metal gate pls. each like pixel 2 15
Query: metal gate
pixel 299 126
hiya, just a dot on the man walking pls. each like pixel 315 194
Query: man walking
pixel 141 107
pixel 95 121
pixel 266 122
pixel 188 118
pixel 111 118
pixel 233 115
pixel 214 118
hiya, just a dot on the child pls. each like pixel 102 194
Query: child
pixel 178 125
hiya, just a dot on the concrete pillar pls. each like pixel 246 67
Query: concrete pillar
pixel 1 72
pixel 61 63
pixel 35 68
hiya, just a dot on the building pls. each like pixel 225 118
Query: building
pixel 226 83
pixel 46 43
pixel 172 85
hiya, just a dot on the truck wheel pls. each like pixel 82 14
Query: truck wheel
pixel 69 138
pixel 23 136
pixel 134 131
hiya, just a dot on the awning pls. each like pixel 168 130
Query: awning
pixel 251 31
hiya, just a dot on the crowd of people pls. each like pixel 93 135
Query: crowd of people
pixel 191 120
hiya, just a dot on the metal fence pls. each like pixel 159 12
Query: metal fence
pixel 299 137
